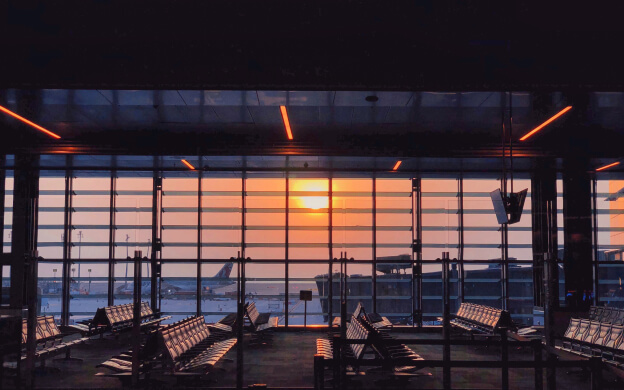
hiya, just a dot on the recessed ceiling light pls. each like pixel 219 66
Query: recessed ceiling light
pixel 371 98
pixel 286 122
pixel 36 126
pixel 540 127
pixel 188 164
pixel 608 166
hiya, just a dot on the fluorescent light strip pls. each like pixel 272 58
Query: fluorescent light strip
pixel 608 166
pixel 540 127
pixel 188 164
pixel 286 122
pixel 36 126
pixel 397 165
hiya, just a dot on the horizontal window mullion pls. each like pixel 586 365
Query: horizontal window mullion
pixel 352 245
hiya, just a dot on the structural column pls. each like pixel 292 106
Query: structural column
pixel 577 222
pixel 23 290
pixel 24 235
pixel 544 243
pixel 544 240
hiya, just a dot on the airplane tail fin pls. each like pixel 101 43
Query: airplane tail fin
pixel 225 271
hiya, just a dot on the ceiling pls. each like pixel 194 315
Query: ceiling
pixel 207 78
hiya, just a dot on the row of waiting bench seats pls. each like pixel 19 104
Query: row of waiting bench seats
pixel 376 321
pixel 606 314
pixel 49 339
pixel 359 328
pixel 482 319
pixel 191 346
pixel 589 338
pixel 186 346
pixel 260 324
pixel 117 318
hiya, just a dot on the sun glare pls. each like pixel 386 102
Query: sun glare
pixel 315 202
pixel 308 198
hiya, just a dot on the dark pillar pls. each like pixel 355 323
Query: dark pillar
pixel 24 236
pixel 156 240
pixel 544 226
pixel 545 267
pixel 2 204
pixel 23 290
pixel 111 238
pixel 67 244
pixel 577 222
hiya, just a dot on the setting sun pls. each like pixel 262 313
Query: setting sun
pixel 315 202
pixel 308 192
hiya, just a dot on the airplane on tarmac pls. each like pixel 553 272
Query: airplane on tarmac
pixel 184 286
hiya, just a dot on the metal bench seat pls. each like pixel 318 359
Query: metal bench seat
pixel 49 339
pixel 606 314
pixel 481 319
pixel 189 345
pixel 590 338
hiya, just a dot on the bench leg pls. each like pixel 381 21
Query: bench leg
pixel 68 357
pixel 319 372
pixel 43 369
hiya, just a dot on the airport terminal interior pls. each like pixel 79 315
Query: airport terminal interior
pixel 311 196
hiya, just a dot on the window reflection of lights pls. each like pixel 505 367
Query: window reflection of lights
pixel 286 122
pixel 36 126
pixel 608 166
pixel 540 127
pixel 188 164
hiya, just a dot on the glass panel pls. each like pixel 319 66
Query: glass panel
pixel 432 289
pixel 560 236
pixel 218 290
pixel 265 218
pixel 521 293
pixel 610 219
pixel 221 217
pixel 89 291
pixel 440 218
pixel 482 284
pixel 353 218
pixel 394 286
pixel 519 234
pixel 124 282
pixel 8 212
pixel 359 287
pixel 6 285
pixel 90 217
pixel 308 234
pixel 264 285
pixel 178 289
pixel 179 217
pixel 51 285
pixel 394 218
pixel 308 277
pixel 133 215
pixel 51 217
pixel 482 233
pixel 610 291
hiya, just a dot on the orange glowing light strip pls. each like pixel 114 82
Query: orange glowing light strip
pixel 608 166
pixel 188 164
pixel 286 122
pixel 540 127
pixel 36 126
pixel 396 166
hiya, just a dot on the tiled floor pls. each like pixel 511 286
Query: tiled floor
pixel 288 363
